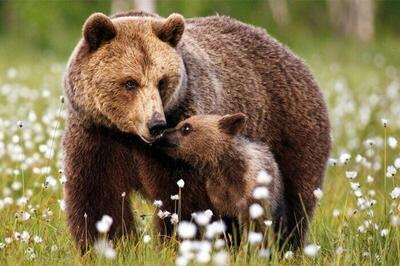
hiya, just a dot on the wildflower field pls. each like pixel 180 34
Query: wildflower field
pixel 357 220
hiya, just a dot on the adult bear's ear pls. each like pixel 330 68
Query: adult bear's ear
pixel 98 29
pixel 232 124
pixel 170 30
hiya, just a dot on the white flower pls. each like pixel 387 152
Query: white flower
pixel 2 245
pixel 351 174
pixel 182 261
pixel 105 248
pixel 358 193
pixel 288 255
pixel 62 204
pixel 395 220
pixel 63 180
pixel 16 185
pixel 311 250
pixel 219 243
pixel 384 122
pixel 265 253
pixel 255 237
pixel 339 250
pixel 53 248
pixel 384 232
pixel 180 183
pixel 203 257
pixel 174 218
pixel 318 193
pixel 261 193
pixel 256 211
pixel 395 193
pixel 17 236
pixel 8 240
pixel 332 161
pixel 392 142
pixel 25 216
pixel 397 163
pixel 370 142
pixel 344 158
pixel 336 213
pixel 163 214
pixel 186 230
pixel 361 229
pixel 20 124
pixel 370 179
pixel 391 171
pixel 146 239
pixel 158 203
pixel 201 218
pixel 25 237
pixel 37 239
pixel 103 226
pixel 221 258
pixel 209 212
pixel 175 197
pixel 215 229
pixel 263 177
pixel 185 246
pixel 268 223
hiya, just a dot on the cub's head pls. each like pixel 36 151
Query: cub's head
pixel 202 138
pixel 125 72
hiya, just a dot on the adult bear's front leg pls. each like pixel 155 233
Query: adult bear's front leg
pixel 98 169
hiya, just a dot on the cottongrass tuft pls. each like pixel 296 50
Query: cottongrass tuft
pixel 186 230
pixel 105 248
pixel 311 250
pixel 104 225
pixel 256 211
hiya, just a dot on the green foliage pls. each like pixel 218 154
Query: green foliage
pixel 54 26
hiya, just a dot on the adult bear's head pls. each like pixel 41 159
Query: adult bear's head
pixel 125 72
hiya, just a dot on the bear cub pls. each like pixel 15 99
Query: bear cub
pixel 236 171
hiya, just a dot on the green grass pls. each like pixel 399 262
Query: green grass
pixel 361 85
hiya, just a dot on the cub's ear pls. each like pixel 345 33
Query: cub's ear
pixel 170 30
pixel 98 29
pixel 232 124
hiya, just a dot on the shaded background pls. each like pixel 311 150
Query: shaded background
pixel 53 27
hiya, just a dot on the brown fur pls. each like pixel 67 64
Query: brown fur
pixel 218 66
pixel 227 162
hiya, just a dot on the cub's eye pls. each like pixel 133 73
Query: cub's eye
pixel 186 129
pixel 131 84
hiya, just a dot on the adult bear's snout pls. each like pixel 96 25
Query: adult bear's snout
pixel 157 124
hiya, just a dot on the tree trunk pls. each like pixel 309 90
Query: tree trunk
pixel 120 6
pixel 145 5
pixel 353 18
pixel 280 12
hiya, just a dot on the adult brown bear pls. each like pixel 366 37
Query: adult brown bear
pixel 133 73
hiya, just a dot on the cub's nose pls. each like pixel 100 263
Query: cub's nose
pixel 157 124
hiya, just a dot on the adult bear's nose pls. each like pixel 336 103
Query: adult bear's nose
pixel 157 124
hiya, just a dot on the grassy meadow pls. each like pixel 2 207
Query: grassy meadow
pixel 357 221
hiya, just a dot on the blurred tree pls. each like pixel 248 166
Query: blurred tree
pixel 353 18
pixel 280 12
pixel 119 6
pixel 124 5
pixel 146 5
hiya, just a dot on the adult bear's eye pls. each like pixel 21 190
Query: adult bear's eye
pixel 186 129
pixel 131 84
